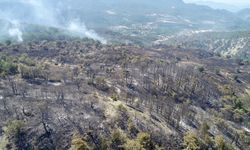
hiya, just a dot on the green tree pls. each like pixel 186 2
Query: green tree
pixel 204 130
pixel 14 133
pixel 145 140
pixel 191 141
pixel 221 144
pixel 133 145
pixel 104 143
pixel 24 58
pixel 7 66
pixel 78 143
pixel 201 69
pixel 219 141
pixel 117 140
pixel 13 127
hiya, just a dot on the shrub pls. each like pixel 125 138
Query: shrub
pixel 221 144
pixel 3 142
pixel 13 127
pixel 219 141
pixel 201 69
pixel 7 66
pixel 132 128
pixel 238 115
pixel 145 140
pixel 133 145
pixel 141 142
pixel 78 143
pixel 100 83
pixel 114 97
pixel 117 139
pixel 191 141
pixel 31 72
pixel 24 58
pixel 104 143
pixel 217 71
pixel 121 108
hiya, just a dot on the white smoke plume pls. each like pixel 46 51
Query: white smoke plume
pixel 15 32
pixel 80 29
pixel 47 13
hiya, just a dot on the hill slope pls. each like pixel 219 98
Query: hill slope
pixel 62 94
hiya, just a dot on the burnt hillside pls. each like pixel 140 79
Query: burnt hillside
pixel 81 94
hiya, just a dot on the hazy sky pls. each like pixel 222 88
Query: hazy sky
pixel 229 2
pixel 231 5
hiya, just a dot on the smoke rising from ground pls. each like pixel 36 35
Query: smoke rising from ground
pixel 79 29
pixel 48 13
pixel 15 31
